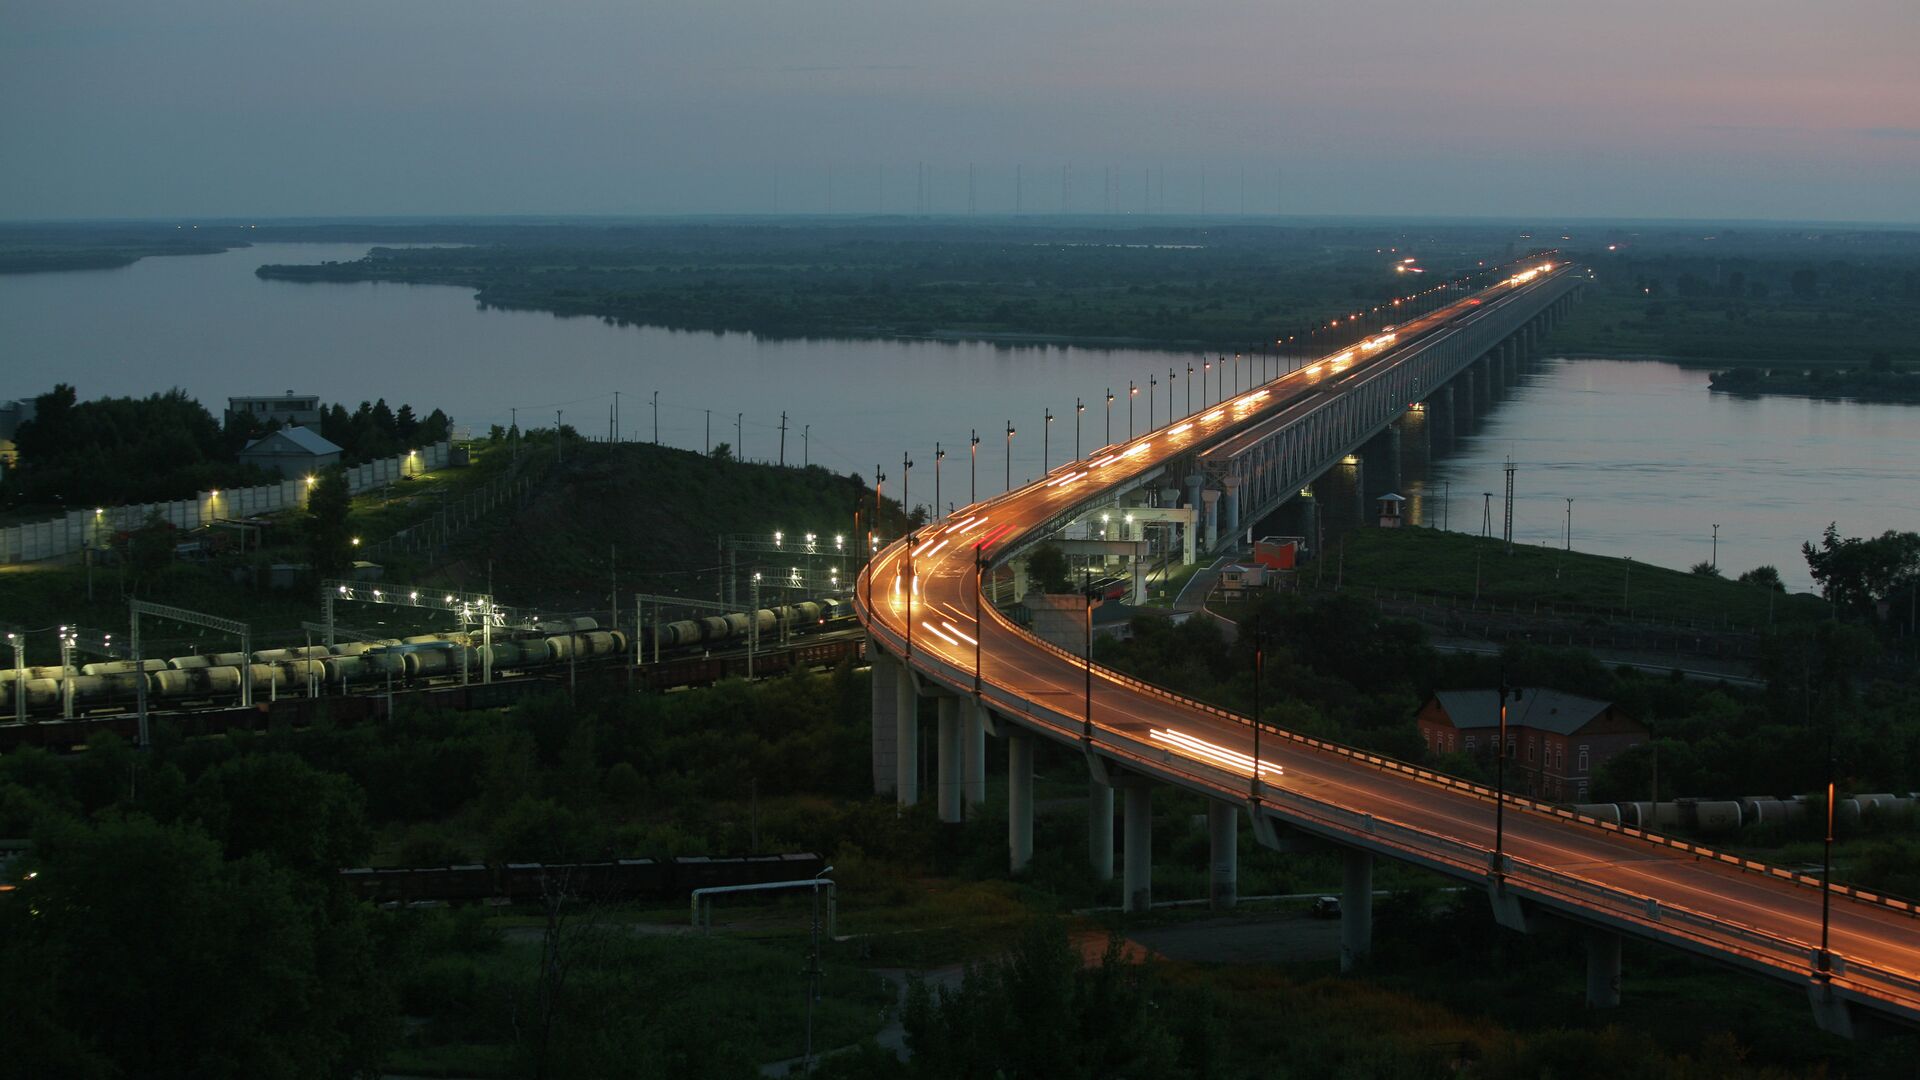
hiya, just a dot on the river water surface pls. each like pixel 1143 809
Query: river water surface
pixel 1651 458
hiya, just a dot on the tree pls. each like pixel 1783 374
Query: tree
pixel 405 424
pixel 1047 566
pixel 329 535
pixel 277 805
pixel 1764 576
pixel 1854 573
pixel 1704 569
pixel 136 950
pixel 721 452
pixel 150 548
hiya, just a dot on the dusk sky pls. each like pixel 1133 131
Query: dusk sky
pixel 1734 109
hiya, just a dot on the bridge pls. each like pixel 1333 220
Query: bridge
pixel 936 633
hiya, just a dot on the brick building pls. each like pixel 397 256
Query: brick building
pixel 1555 741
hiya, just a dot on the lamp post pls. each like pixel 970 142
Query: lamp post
pixel 939 456
pixel 1109 416
pixel 979 613
pixel 909 592
pixel 1714 561
pixel 1569 523
pixel 1009 455
pixel 1500 782
pixel 906 474
pixel 1206 369
pixel 973 466
pixel 1046 441
pixel 1189 388
pixel 1152 382
pixel 1086 590
pixel 1259 672
pixel 1133 391
pixel 1078 408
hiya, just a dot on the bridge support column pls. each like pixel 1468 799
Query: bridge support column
pixel 1189 536
pixel 1356 908
pixel 950 754
pixel 1603 969
pixel 1100 828
pixel 1137 864
pixel 1230 502
pixel 906 740
pixel 886 746
pixel 1019 579
pixel 1469 401
pixel 1446 412
pixel 973 749
pixel 1223 848
pixel 1019 801
pixel 1211 499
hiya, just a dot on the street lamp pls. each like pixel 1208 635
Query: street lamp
pixel 1152 382
pixel 1500 780
pixel 906 474
pixel 1109 416
pixel 1206 368
pixel 1133 391
pixel 1046 436
pixel 973 466
pixel 1078 408
pixel 1189 388
pixel 939 455
pixel 1009 455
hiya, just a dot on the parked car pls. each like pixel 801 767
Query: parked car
pixel 1326 907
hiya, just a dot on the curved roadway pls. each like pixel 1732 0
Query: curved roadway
pixel 1616 878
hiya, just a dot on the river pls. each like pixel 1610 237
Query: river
pixel 1651 458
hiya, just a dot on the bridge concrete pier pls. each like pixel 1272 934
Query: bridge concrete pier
pixel 1469 400
pixel 973 749
pixel 1019 801
pixel 949 754
pixel 1381 456
pixel 1356 907
pixel 1137 858
pixel 1230 503
pixel 885 673
pixel 1603 969
pixel 906 740
pixel 1100 828
pixel 1223 850
pixel 1210 498
pixel 1443 424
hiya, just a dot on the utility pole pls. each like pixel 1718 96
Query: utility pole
pixel 806 446
pixel 1569 523
pixel 559 440
pixel 783 437
pixel 709 432
pixel 656 418
pixel 1509 506
pixel 739 436
pixel 614 435
pixel 514 419
pixel 1715 561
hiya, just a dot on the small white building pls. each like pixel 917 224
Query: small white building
pixel 1392 510
pixel 291 452
pixel 288 408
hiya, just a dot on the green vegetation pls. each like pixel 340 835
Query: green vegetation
pixel 35 249
pixel 1880 383
pixel 115 451
pixel 1468 568
pixel 1175 284
pixel 1793 298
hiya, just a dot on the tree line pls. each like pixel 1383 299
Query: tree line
pixel 116 450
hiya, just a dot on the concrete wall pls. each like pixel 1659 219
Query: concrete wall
pixel 83 528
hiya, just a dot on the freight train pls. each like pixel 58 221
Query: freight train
pixel 215 679
pixel 1717 816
